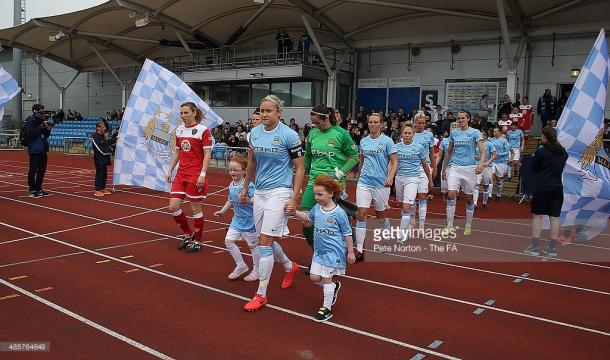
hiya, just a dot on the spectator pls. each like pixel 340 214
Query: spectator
pixel 402 115
pixel 484 110
pixel 102 143
pixel 38 131
pixel 240 131
pixel 446 124
pixel 547 107
pixel 232 141
pixel 476 122
pixel 217 135
pixel 505 106
pixel 293 125
pixel 243 144
pixel 304 46
pixel 306 130
pixel 607 136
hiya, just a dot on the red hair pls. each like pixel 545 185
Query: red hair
pixel 329 184
pixel 241 160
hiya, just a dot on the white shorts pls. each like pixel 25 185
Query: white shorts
pixel 515 154
pixel 235 235
pixel 269 215
pixel 365 195
pixel 486 176
pixel 325 271
pixel 423 182
pixel 500 170
pixel 444 181
pixel 479 178
pixel 462 176
pixel 407 188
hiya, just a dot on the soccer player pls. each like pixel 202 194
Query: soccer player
pixel 411 158
pixel 193 150
pixel 464 170
pixel 378 167
pixel 516 139
pixel 275 148
pixel 443 152
pixel 426 140
pixel 528 112
pixel 333 245
pixel 485 178
pixel 329 150
pixel 242 224
pixel 500 163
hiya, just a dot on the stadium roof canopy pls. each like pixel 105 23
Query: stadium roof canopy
pixel 125 32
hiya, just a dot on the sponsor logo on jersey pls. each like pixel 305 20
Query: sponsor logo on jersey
pixel 185 145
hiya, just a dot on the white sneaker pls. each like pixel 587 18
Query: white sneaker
pixel 238 271
pixel 253 276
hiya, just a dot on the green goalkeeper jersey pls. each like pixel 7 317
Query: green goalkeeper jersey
pixel 329 149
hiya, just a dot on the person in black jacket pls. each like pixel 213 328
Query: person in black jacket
pixel 548 164
pixel 101 157
pixel 38 131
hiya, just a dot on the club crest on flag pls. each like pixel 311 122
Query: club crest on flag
pixel 159 135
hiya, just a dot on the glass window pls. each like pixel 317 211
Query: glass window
pixel 282 90
pixel 240 95
pixel 204 92
pixel 259 91
pixel 318 92
pixel 301 94
pixel 222 95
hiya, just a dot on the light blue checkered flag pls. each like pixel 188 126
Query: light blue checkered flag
pixel 147 137
pixel 8 89
pixel 586 178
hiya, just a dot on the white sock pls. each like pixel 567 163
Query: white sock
pixel 329 291
pixel 235 253
pixel 485 194
pixel 423 210
pixel 254 250
pixel 510 171
pixel 450 212
pixel 475 194
pixel 280 256
pixel 265 269
pixel 405 219
pixel 360 235
pixel 499 186
pixel 413 212
pixel 490 188
pixel 469 214
pixel 384 224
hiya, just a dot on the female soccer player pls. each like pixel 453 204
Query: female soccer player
pixel 411 159
pixel 194 150
pixel 443 152
pixel 330 150
pixel 516 139
pixel 333 241
pixel 242 224
pixel 274 149
pixel 426 139
pixel 548 164
pixel 485 178
pixel 378 167
pixel 500 163
pixel 464 169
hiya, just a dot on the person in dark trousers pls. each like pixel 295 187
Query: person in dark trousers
pixel 38 131
pixel 101 157
pixel 547 107
pixel 548 164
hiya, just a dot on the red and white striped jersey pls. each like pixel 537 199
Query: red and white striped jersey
pixel 191 141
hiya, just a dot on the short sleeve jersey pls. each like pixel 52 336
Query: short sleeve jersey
pixel 330 229
pixel 243 214
pixel 376 153
pixel 464 145
pixel 191 142
pixel 425 139
pixel 274 151
pixel 514 138
pixel 409 158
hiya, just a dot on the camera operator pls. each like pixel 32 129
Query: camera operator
pixel 38 130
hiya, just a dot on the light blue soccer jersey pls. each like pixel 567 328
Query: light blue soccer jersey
pixel 502 150
pixel 409 158
pixel 243 214
pixel 376 153
pixel 274 151
pixel 514 138
pixel 330 229
pixel 489 149
pixel 425 139
pixel 464 145
pixel 444 146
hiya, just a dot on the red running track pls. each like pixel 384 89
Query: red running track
pixel 113 261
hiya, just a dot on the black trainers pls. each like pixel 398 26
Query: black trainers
pixel 475 208
pixel 193 246
pixel 35 194
pixel 532 251
pixel 337 288
pixel 359 255
pixel 549 252
pixel 185 240
pixel 323 314
pixel 498 197
pixel 44 193
pixel 483 207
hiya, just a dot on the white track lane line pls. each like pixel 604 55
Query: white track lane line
pixel 86 321
pixel 237 296
pixel 419 292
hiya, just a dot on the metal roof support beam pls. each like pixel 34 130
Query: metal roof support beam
pixel 184 43
pixel 119 37
pixel 386 21
pixel 325 8
pixel 511 76
pixel 314 38
pixel 242 29
pixel 427 9
pixel 44 70
pixel 518 14
pixel 169 21
pixel 96 51
pixel 309 9
pixel 163 7
pixel 555 9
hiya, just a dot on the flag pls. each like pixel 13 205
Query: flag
pixel 8 89
pixel 147 140
pixel 586 178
